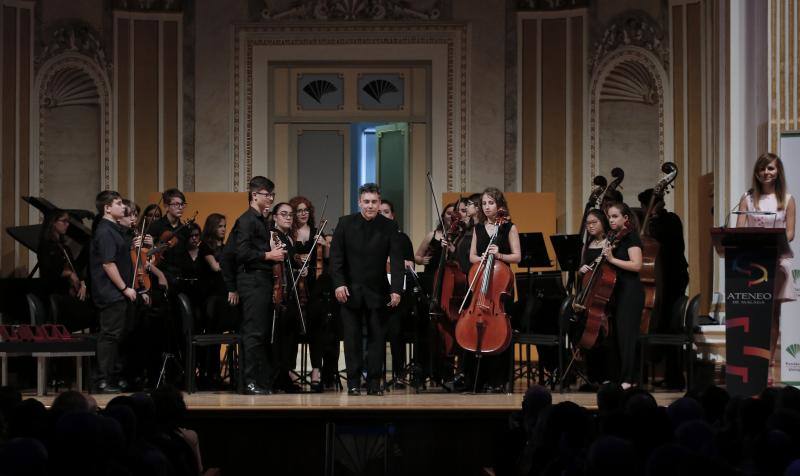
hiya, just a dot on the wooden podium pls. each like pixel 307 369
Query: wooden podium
pixel 751 256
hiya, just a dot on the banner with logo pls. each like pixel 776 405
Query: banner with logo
pixel 790 311
pixel 749 282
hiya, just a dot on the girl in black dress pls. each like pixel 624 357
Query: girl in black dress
pixel 626 256
pixel 596 229
pixel 506 248
pixel 323 341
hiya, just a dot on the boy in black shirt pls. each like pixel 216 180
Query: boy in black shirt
pixel 111 270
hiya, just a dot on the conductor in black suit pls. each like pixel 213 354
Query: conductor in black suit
pixel 362 242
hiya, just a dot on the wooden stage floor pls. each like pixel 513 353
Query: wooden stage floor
pixel 402 400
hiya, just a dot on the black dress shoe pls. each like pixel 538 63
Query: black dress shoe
pixel 375 389
pixel 292 388
pixel 104 387
pixel 316 386
pixel 354 391
pixel 254 389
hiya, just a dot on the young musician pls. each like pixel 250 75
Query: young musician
pixel 430 250
pixel 626 256
pixel 111 271
pixel 472 205
pixel 768 193
pixel 596 229
pixel 666 228
pixel 397 316
pixel 506 248
pixel 361 245
pixel 254 258
pixel 174 204
pixel 286 325
pixel 323 343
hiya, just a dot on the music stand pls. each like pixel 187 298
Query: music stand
pixel 568 250
pixel 534 251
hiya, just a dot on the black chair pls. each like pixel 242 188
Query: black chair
pixel 206 340
pixel 538 325
pixel 684 320
pixel 36 310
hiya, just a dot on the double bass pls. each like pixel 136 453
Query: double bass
pixel 649 274
pixel 484 327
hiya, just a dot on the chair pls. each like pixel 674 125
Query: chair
pixel 545 292
pixel 36 310
pixel 205 340
pixel 684 320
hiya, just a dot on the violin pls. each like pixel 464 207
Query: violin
pixel 168 239
pixel 75 286
pixel 278 276
pixel 590 305
pixel 286 284
pixel 484 327
pixel 649 274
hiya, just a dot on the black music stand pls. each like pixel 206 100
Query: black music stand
pixel 534 251
pixel 568 250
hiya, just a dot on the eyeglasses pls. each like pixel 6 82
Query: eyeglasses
pixel 285 214
pixel 266 194
pixel 178 205
pixel 303 211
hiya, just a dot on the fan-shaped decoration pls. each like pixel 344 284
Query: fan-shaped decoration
pixel 630 81
pixel 793 349
pixel 318 88
pixel 70 87
pixel 377 88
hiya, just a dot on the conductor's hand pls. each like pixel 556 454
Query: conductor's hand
pixel 342 293
pixel 275 255
pixel 585 269
pixel 394 300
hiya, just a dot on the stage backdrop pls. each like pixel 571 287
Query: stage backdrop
pixel 530 212
pixel 790 313
pixel 230 204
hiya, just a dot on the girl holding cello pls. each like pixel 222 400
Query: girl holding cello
pixel 623 250
pixel 506 251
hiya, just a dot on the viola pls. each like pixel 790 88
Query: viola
pixel 590 305
pixel 484 327
pixel 649 274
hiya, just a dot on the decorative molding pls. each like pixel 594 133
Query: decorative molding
pixel 612 67
pixel 249 36
pixel 546 5
pixel 631 29
pixel 351 10
pixel 63 80
pixel 149 5
pixel 78 38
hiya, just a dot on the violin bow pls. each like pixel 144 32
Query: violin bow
pixel 484 258
pixel 323 223
pixel 139 252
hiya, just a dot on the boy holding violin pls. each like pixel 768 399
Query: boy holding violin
pixel 111 271
pixel 254 258
pixel 169 226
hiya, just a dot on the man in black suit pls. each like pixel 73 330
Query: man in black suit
pixel 361 245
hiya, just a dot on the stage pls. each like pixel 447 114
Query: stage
pixel 401 432
pixel 395 401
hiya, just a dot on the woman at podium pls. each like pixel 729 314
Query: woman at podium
pixel 768 194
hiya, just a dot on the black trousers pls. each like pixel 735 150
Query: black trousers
pixel 113 326
pixel 255 293
pixel 352 322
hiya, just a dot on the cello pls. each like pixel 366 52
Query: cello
pixel 484 327
pixel 649 275
pixel 590 304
